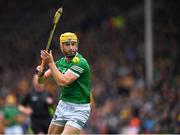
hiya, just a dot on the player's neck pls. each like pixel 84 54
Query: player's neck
pixel 68 59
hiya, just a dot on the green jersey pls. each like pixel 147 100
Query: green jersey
pixel 78 91
pixel 10 112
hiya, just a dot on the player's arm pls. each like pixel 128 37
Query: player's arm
pixel 61 79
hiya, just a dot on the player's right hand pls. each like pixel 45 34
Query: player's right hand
pixel 47 56
pixel 40 71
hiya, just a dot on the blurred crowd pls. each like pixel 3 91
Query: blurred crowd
pixel 111 35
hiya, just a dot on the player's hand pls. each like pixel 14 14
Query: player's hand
pixel 47 56
pixel 40 71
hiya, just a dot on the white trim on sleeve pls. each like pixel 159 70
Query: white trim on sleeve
pixel 69 70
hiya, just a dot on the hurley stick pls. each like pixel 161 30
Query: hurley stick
pixel 55 21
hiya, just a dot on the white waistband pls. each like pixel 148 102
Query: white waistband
pixel 74 104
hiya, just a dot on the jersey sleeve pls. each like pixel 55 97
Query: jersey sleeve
pixel 78 68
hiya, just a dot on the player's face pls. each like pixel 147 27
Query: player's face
pixel 69 48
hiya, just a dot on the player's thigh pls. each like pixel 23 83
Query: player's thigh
pixel 54 129
pixel 68 129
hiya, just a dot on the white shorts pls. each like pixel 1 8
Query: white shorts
pixel 72 114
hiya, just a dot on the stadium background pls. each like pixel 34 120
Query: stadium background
pixel 111 37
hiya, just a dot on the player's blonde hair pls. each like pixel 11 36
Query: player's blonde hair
pixel 68 36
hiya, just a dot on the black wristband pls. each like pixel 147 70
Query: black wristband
pixel 40 73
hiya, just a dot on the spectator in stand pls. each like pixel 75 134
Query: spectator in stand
pixel 12 117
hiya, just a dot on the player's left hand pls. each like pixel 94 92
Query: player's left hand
pixel 40 71
pixel 47 56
